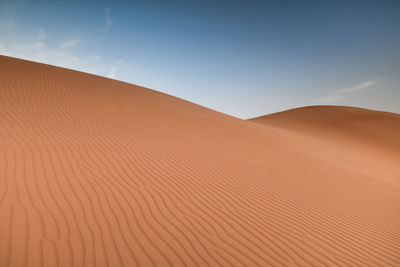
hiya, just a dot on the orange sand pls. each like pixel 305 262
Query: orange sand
pixel 97 172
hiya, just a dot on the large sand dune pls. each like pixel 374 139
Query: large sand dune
pixel 96 172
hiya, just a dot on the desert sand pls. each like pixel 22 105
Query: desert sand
pixel 97 172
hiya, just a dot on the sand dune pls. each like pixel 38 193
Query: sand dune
pixel 373 129
pixel 97 172
pixel 364 140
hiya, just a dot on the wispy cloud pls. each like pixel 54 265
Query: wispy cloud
pixel 112 72
pixel 108 18
pixel 69 43
pixel 113 69
pixel 29 42
pixel 342 92
pixel 38 46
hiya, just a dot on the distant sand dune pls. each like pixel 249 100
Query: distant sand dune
pixel 374 129
pixel 97 172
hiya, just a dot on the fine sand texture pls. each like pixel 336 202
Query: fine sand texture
pixel 97 172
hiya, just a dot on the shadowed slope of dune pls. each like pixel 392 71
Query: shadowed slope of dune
pixel 97 172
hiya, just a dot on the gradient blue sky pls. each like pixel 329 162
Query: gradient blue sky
pixel 243 58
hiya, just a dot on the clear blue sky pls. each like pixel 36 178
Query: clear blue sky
pixel 243 58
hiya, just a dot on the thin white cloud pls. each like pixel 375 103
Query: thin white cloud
pixel 113 71
pixel 69 43
pixel 37 47
pixel 358 87
pixel 38 44
pixel 340 93
pixel 108 18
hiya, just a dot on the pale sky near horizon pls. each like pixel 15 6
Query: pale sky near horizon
pixel 243 58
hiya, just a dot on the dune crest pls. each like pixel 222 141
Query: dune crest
pixel 97 172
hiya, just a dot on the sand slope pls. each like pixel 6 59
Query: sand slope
pixel 96 172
